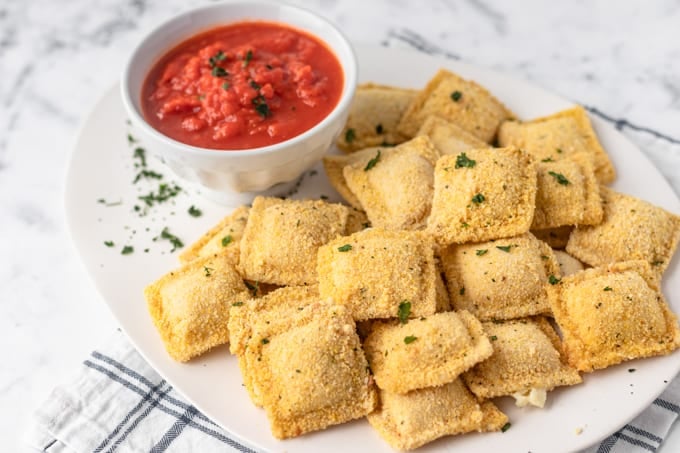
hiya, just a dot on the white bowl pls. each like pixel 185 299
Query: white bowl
pixel 238 175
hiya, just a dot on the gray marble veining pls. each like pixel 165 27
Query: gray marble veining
pixel 622 59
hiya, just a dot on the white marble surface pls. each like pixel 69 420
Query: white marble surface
pixel 57 58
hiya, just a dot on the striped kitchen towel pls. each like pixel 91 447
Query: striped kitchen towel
pixel 118 403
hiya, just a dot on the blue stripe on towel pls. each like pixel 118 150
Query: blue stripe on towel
pixel 193 424
pixel 174 431
pixel 145 399
pixel 643 433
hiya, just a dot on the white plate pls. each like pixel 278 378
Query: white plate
pixel 102 167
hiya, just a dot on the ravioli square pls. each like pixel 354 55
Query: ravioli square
pixel 501 279
pixel 281 238
pixel 374 116
pixel 527 355
pixel 334 165
pixel 190 305
pixel 373 271
pixel 314 374
pixel 632 229
pixel 425 352
pixel 483 194
pixel 611 314
pixel 411 420
pixel 222 238
pixel 395 186
pixel 567 194
pixel 460 101
pixel 447 137
pixel 559 136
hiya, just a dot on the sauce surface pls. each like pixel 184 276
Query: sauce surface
pixel 242 86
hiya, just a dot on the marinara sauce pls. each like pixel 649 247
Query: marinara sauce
pixel 242 86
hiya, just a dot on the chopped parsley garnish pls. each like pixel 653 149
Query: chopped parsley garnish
pixel 657 263
pixel 505 248
pixel 208 271
pixel 350 135
pixel 227 240
pixel 345 248
pixel 493 338
pixel 165 192
pixel 456 95
pixel 261 106
pixel 553 280
pixel 607 288
pixel 559 177
pixel 323 197
pixel 481 252
pixel 219 56
pixel 548 159
pixel 559 151
pixel 127 250
pixel 462 161
pixel 379 129
pixel 219 72
pixel 248 57
pixel 140 153
pixel 478 199
pixel 147 174
pixel 371 163
pixel 225 86
pixel 174 240
pixel 237 304
pixel 410 339
pixel 255 85
pixel 404 311
pixel 194 211
pixel 631 370
pixel 265 340
pixel 109 243
pixel 506 427
pixel 462 291
pixel 131 139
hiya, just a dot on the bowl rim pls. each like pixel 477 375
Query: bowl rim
pixel 350 72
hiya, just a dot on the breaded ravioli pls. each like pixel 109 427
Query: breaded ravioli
pixel 408 421
pixel 373 271
pixel 282 236
pixel 632 229
pixel 425 352
pixel 567 194
pixel 462 102
pixel 611 314
pixel 395 187
pixel 373 117
pixel 190 305
pixel 482 194
pixel 527 355
pixel 314 374
pixel 501 279
pixel 557 137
